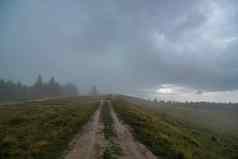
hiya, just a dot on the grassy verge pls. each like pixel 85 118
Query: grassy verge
pixel 112 150
pixel 41 129
pixel 173 139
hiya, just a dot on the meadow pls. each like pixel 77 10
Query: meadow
pixel 174 133
pixel 42 129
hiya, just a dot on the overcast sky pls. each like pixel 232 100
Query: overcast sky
pixel 173 49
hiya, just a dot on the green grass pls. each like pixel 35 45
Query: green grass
pixel 217 117
pixel 172 138
pixel 41 130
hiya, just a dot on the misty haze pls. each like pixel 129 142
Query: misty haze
pixel 126 79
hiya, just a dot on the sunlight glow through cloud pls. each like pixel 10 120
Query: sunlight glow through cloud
pixel 182 93
pixel 165 90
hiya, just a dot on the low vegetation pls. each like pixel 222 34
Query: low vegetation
pixel 171 138
pixel 219 117
pixel 41 130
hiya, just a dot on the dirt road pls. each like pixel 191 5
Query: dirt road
pixel 90 143
pixel 131 149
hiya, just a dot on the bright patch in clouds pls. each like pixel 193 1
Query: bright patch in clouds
pixel 182 93
pixel 165 90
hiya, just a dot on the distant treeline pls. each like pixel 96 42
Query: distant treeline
pixel 10 91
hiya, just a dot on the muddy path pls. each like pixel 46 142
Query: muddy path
pixel 88 144
pixel 131 149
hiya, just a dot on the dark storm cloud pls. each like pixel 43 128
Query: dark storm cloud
pixel 121 45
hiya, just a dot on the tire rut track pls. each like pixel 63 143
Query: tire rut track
pixel 88 144
pixel 131 149
pixel 91 143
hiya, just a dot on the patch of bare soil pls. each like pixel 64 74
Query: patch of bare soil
pixel 89 143
pixel 131 149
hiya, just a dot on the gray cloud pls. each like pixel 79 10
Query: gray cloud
pixel 122 45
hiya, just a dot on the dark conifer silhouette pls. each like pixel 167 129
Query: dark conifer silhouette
pixel 10 91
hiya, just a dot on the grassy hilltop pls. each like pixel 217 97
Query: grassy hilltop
pixel 173 136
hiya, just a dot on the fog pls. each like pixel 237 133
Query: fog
pixel 173 50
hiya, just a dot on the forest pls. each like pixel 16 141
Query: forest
pixel 16 91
